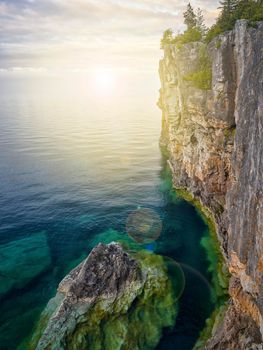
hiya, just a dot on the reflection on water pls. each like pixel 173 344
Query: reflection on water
pixel 73 168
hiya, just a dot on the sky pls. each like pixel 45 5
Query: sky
pixel 52 36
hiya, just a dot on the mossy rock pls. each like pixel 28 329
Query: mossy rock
pixel 137 301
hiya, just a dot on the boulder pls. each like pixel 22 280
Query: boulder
pixel 111 301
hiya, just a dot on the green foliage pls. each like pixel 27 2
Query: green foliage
pixel 216 263
pixel 134 319
pixel 189 36
pixel 196 29
pixel 167 37
pixel 228 5
pixel 249 9
pixel 228 8
pixel 215 319
pixel 190 18
pixel 217 267
pixel 231 11
pixel 202 78
pixel 218 44
pixel 229 133
pixel 200 22
pixel 214 31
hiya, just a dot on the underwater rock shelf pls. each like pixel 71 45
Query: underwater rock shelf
pixel 23 260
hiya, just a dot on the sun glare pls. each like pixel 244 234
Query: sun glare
pixel 104 80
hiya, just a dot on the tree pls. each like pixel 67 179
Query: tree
pixel 226 18
pixel 190 17
pixel 200 22
pixel 228 5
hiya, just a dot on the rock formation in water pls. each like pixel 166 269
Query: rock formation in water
pixel 215 143
pixel 110 301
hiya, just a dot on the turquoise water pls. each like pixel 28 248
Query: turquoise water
pixel 74 167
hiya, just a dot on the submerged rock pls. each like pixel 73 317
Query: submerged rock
pixel 110 301
pixel 21 261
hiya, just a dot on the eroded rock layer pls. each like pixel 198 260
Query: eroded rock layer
pixel 215 143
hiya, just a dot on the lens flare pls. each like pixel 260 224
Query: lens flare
pixel 144 225
pixel 174 280
pixel 176 276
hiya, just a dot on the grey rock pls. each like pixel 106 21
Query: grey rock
pixel 109 302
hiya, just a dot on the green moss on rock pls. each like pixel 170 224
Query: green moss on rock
pixel 211 324
pixel 202 77
pixel 217 268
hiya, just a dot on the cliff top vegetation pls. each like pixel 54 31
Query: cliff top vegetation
pixel 231 11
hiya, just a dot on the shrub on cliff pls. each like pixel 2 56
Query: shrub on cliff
pixel 189 36
pixel 167 38
pixel 202 78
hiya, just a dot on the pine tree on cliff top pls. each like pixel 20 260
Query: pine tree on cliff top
pixel 200 22
pixel 190 17
pixel 228 8
pixel 228 5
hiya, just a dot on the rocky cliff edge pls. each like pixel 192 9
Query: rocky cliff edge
pixel 215 141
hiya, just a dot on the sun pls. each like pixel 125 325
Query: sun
pixel 104 79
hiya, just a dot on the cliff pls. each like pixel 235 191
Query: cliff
pixel 214 139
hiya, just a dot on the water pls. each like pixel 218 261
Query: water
pixel 74 166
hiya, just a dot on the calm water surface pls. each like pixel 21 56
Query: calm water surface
pixel 74 166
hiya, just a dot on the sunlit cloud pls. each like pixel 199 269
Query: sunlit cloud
pixel 75 35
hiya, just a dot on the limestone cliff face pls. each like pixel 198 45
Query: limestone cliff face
pixel 215 143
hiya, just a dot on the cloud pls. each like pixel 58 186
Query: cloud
pixel 60 34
